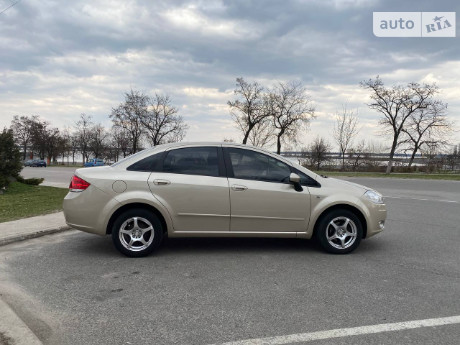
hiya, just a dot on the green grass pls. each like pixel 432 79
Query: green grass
pixel 21 200
pixel 434 176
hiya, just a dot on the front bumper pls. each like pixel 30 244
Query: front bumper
pixel 376 221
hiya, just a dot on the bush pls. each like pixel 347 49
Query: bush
pixel 10 158
pixel 30 181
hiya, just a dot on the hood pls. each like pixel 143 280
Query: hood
pixel 354 184
pixel 355 187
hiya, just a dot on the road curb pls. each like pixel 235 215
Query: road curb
pixel 22 237
pixel 13 331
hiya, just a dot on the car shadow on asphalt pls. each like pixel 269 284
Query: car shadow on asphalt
pixel 236 245
pixel 102 246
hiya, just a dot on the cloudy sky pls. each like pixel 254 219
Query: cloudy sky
pixel 62 58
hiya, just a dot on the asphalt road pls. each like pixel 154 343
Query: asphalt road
pixel 75 288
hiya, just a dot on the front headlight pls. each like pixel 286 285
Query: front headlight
pixel 373 196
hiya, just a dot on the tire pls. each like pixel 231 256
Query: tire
pixel 339 231
pixel 137 232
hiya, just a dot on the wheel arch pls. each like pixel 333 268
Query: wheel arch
pixel 348 207
pixel 130 206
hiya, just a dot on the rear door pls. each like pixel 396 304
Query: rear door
pixel 193 187
pixel 262 199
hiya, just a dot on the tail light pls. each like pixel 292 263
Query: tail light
pixel 78 184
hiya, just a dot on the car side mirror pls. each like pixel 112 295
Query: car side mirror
pixel 295 180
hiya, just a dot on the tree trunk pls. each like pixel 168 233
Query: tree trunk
pixel 411 160
pixel 278 144
pixel 245 139
pixel 343 160
pixel 25 151
pixel 392 153
pixel 246 135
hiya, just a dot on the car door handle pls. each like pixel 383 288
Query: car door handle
pixel 239 188
pixel 161 182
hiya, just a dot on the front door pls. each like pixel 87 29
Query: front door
pixel 262 199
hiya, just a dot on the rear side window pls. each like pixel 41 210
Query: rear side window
pixel 150 163
pixel 192 161
pixel 250 165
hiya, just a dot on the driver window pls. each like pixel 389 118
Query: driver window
pixel 250 165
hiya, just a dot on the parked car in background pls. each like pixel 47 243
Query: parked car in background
pixel 38 163
pixel 28 163
pixel 95 162
pixel 218 189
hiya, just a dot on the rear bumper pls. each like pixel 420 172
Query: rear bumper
pixel 89 210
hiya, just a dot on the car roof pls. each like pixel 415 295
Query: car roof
pixel 206 143
pixel 165 147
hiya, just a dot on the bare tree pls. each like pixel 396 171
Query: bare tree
pixel 128 115
pixel 22 131
pixel 319 150
pixel 291 111
pixel 162 122
pixel 432 156
pixel 345 130
pixel 373 152
pixel 453 158
pixel 46 141
pixel 83 133
pixel 39 137
pixel 74 145
pixel 67 144
pixel 120 141
pixel 53 143
pixel 425 126
pixel 396 105
pixel 247 110
pixel 356 155
pixel 261 134
pixel 98 138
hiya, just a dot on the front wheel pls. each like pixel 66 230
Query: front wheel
pixel 339 232
pixel 137 232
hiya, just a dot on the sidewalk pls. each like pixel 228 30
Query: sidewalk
pixel 55 184
pixel 13 330
pixel 23 229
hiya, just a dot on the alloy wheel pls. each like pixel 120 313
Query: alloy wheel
pixel 341 232
pixel 136 234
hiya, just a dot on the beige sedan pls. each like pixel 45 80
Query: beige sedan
pixel 218 189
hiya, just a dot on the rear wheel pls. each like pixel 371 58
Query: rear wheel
pixel 339 231
pixel 137 232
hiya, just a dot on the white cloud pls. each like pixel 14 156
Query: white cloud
pixel 58 61
pixel 193 21
pixel 203 92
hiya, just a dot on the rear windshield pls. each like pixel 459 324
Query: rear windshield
pixel 127 158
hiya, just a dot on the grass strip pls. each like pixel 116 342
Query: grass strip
pixel 21 201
